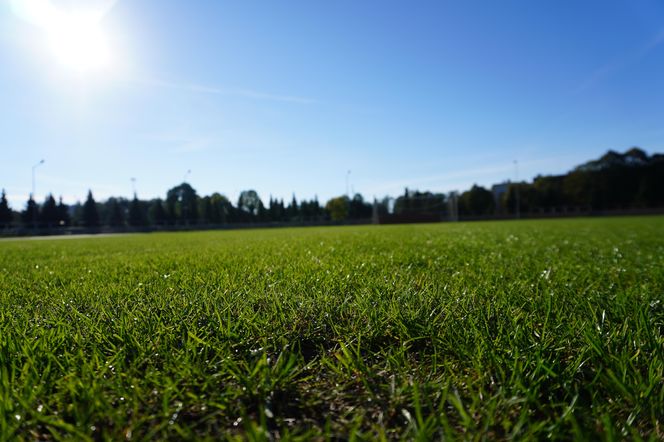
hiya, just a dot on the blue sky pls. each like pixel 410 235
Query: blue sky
pixel 286 97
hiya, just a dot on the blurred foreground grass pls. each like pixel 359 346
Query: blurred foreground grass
pixel 527 329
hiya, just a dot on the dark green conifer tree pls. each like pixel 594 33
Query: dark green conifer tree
pixel 49 212
pixel 63 214
pixel 90 213
pixel 30 214
pixel 137 214
pixel 293 211
pixel 5 211
pixel 115 216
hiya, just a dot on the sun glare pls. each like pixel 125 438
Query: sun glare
pixel 79 43
pixel 75 37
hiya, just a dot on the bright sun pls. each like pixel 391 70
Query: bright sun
pixel 75 36
pixel 79 43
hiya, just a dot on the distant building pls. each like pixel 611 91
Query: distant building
pixel 498 190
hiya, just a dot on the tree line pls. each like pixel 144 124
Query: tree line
pixel 182 206
pixel 615 181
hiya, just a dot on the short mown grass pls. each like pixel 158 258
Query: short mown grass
pixel 492 330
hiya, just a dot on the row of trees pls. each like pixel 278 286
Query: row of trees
pixel 614 181
pixel 182 206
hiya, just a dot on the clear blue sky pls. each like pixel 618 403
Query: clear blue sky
pixel 286 97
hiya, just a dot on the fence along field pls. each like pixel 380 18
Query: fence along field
pixel 524 329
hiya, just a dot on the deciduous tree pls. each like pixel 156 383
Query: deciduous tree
pixel 338 208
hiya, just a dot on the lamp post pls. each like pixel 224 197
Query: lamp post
pixel 33 177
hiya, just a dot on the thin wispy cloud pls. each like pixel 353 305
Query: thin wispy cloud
pixel 620 62
pixel 183 139
pixel 657 40
pixel 448 180
pixel 460 179
pixel 243 93
pixel 193 145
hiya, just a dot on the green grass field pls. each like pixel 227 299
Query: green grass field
pixel 491 330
